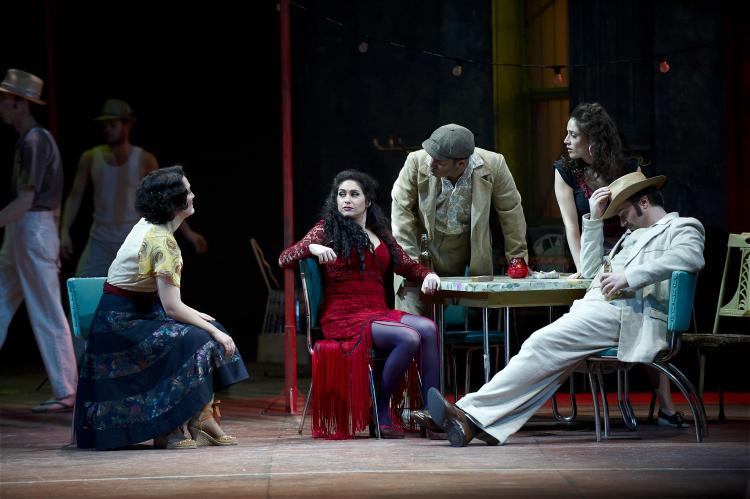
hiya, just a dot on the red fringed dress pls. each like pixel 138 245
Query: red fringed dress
pixel 353 298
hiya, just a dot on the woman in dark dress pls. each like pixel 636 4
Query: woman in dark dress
pixel 152 363
pixel 594 159
pixel 355 248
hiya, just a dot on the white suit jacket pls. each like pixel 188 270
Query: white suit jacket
pixel 672 243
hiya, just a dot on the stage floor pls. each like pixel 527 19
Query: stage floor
pixel 272 460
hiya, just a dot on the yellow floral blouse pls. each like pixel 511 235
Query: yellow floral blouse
pixel 149 251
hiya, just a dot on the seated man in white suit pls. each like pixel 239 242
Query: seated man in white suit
pixel 625 306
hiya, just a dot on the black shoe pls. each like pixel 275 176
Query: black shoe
pixel 675 420
pixel 423 419
pixel 452 419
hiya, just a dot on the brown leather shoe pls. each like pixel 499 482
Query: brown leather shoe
pixel 422 418
pixel 453 420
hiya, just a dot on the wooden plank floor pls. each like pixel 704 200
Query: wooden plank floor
pixel 272 460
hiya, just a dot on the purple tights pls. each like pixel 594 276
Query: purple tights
pixel 402 340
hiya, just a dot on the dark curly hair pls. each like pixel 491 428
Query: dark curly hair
pixel 161 194
pixel 597 126
pixel 344 234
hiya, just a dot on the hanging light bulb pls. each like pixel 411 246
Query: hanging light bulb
pixel 457 70
pixel 363 47
pixel 557 78
pixel 663 64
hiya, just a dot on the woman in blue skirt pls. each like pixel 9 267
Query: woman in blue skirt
pixel 152 364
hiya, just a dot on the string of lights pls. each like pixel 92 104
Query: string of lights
pixel 662 58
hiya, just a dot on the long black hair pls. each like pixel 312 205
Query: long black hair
pixel 599 128
pixel 345 235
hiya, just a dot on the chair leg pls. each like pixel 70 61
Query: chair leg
pixel 605 404
pixel 623 400
pixel 693 402
pixel 374 403
pixel 697 400
pixel 73 439
pixel 701 371
pixel 467 378
pixel 455 375
pixel 594 400
pixel 573 407
pixel 304 410
pixel 652 406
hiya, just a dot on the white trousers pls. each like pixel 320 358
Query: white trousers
pixel 29 271
pixel 545 361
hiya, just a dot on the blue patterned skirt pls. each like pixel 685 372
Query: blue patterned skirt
pixel 144 374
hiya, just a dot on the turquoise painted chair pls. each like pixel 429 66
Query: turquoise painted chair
pixel 84 294
pixel 458 336
pixel 682 292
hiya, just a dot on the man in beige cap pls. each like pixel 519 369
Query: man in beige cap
pixel 624 307
pixel 445 193
pixel 115 170
pixel 29 263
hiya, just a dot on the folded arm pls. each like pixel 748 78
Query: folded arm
pixel 290 256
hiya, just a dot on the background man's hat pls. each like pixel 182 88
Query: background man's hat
pixel 116 109
pixel 450 142
pixel 23 84
pixel 627 185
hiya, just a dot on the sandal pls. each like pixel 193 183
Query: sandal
pixel 205 429
pixel 54 405
pixel 174 440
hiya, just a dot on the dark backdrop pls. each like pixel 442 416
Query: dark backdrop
pixel 204 83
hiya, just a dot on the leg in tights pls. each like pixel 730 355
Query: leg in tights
pixel 430 363
pixel 403 344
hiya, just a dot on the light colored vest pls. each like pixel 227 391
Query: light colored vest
pixel 114 195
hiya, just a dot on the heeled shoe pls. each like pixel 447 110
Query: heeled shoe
pixel 174 440
pixel 386 431
pixel 205 429
pixel 390 431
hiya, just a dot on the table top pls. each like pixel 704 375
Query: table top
pixel 503 284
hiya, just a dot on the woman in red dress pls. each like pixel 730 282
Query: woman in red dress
pixel 355 248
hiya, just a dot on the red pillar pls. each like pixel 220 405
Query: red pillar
pixel 290 333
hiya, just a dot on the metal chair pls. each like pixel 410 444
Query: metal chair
pixel 312 290
pixel 737 307
pixel 466 339
pixel 682 292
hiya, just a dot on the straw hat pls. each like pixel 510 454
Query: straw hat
pixel 23 84
pixel 116 109
pixel 627 185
